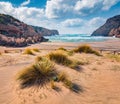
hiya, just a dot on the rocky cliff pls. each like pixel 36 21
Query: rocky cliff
pixel 110 28
pixel 18 34
pixel 44 31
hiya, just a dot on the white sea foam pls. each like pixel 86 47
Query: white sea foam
pixel 77 38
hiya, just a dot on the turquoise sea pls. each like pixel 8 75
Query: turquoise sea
pixel 76 38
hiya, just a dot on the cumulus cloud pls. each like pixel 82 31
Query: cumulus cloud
pixel 83 4
pixel 107 4
pixel 25 3
pixel 59 8
pixel 72 22
pixel 63 8
pixel 6 8
pixel 82 26
pixel 22 13
pixel 96 21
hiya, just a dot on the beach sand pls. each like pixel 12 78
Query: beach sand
pixel 98 80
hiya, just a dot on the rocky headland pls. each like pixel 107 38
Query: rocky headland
pixel 110 28
pixel 15 33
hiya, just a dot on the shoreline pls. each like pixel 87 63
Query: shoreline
pixel 104 45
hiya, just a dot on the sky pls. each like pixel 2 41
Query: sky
pixel 67 16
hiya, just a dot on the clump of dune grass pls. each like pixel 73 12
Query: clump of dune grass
pixel 83 62
pixel 36 49
pixel 62 76
pixel 40 58
pixel 86 49
pixel 68 52
pixel 43 72
pixel 37 74
pixel 114 57
pixel 68 83
pixel 28 51
pixel 61 48
pixel 52 85
pixel 61 58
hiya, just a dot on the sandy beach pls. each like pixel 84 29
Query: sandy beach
pixel 98 79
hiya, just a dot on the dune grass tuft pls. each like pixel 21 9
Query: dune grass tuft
pixel 28 51
pixel 61 58
pixel 39 58
pixel 36 49
pixel 43 72
pixel 115 57
pixel 61 48
pixel 39 73
pixel 62 76
pixel 68 52
pixel 86 49
pixel 52 84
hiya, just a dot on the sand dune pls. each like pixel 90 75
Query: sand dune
pixel 98 80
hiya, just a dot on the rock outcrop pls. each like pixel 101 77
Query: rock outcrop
pixel 44 31
pixel 110 28
pixel 18 34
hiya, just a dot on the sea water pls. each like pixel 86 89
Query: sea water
pixel 77 38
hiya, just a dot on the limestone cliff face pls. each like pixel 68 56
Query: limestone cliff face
pixel 110 28
pixel 18 34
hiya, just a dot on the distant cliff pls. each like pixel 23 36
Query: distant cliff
pixel 18 34
pixel 44 31
pixel 110 28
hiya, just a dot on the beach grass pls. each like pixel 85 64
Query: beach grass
pixel 115 57
pixel 53 85
pixel 61 58
pixel 36 49
pixel 61 48
pixel 28 51
pixel 86 49
pixel 38 73
pixel 68 52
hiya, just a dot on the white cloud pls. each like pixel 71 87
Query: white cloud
pixel 22 13
pixel 63 8
pixel 6 8
pixel 83 26
pixel 107 4
pixel 83 4
pixel 25 3
pixel 72 22
pixel 96 21
pixel 59 8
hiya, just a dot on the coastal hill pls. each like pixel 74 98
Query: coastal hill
pixel 110 28
pixel 18 34
pixel 44 31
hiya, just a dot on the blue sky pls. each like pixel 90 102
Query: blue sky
pixel 67 16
